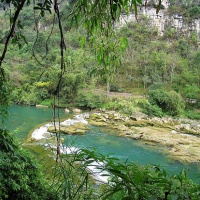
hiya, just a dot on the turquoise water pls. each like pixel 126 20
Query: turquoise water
pixel 131 150
pixel 27 118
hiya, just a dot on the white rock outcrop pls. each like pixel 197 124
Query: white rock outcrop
pixel 163 20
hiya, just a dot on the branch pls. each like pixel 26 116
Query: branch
pixel 16 15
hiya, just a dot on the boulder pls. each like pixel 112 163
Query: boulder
pixel 173 131
pixel 41 106
pixel 66 110
pixel 97 117
pixel 95 123
pixel 77 128
pixel 76 110
pixel 137 116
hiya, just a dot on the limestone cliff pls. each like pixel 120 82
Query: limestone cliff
pixel 163 19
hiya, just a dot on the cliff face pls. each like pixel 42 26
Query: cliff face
pixel 163 20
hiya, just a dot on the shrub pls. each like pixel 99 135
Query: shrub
pixel 176 103
pixel 20 176
pixel 131 181
pixel 191 91
pixel 192 114
pixel 170 102
pixel 71 85
pixel 47 102
pixel 113 88
pixel 151 110
pixel 89 100
pixel 125 106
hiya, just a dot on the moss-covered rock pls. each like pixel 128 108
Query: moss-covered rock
pixel 77 128
pixel 97 123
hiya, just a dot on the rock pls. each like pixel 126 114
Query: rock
pixel 95 123
pixel 81 126
pixel 77 128
pixel 97 117
pixel 173 131
pixel 136 136
pixel 123 128
pixel 73 130
pixel 41 106
pixel 66 110
pixel 102 109
pixel 165 132
pixel 187 129
pixel 137 116
pixel 79 131
pixel 52 129
pixel 122 134
pixel 142 123
pixel 76 110
pixel 157 120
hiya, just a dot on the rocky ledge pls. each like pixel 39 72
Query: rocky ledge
pixel 178 137
pixel 77 128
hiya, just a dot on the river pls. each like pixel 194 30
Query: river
pixel 27 118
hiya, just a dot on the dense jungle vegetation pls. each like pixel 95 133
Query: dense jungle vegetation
pixel 164 70
pixel 148 62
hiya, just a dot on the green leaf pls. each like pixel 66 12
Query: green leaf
pixel 114 7
pixel 82 41
pixel 174 196
pixel 139 1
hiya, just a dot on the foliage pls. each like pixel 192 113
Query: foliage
pixel 188 9
pixel 192 114
pixel 70 86
pixel 4 99
pixel 89 100
pixel 20 175
pixel 115 88
pixel 47 102
pixel 72 179
pixel 151 110
pixel 136 65
pixel 100 15
pixel 126 106
pixel 131 181
pixel 170 102
pixel 191 91
pixel 7 142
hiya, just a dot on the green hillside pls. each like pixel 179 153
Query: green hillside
pixel 143 60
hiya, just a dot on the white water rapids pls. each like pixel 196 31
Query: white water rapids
pixel 93 167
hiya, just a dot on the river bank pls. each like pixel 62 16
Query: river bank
pixel 178 137
pixel 110 136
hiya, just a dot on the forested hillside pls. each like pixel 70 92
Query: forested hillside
pixel 145 60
